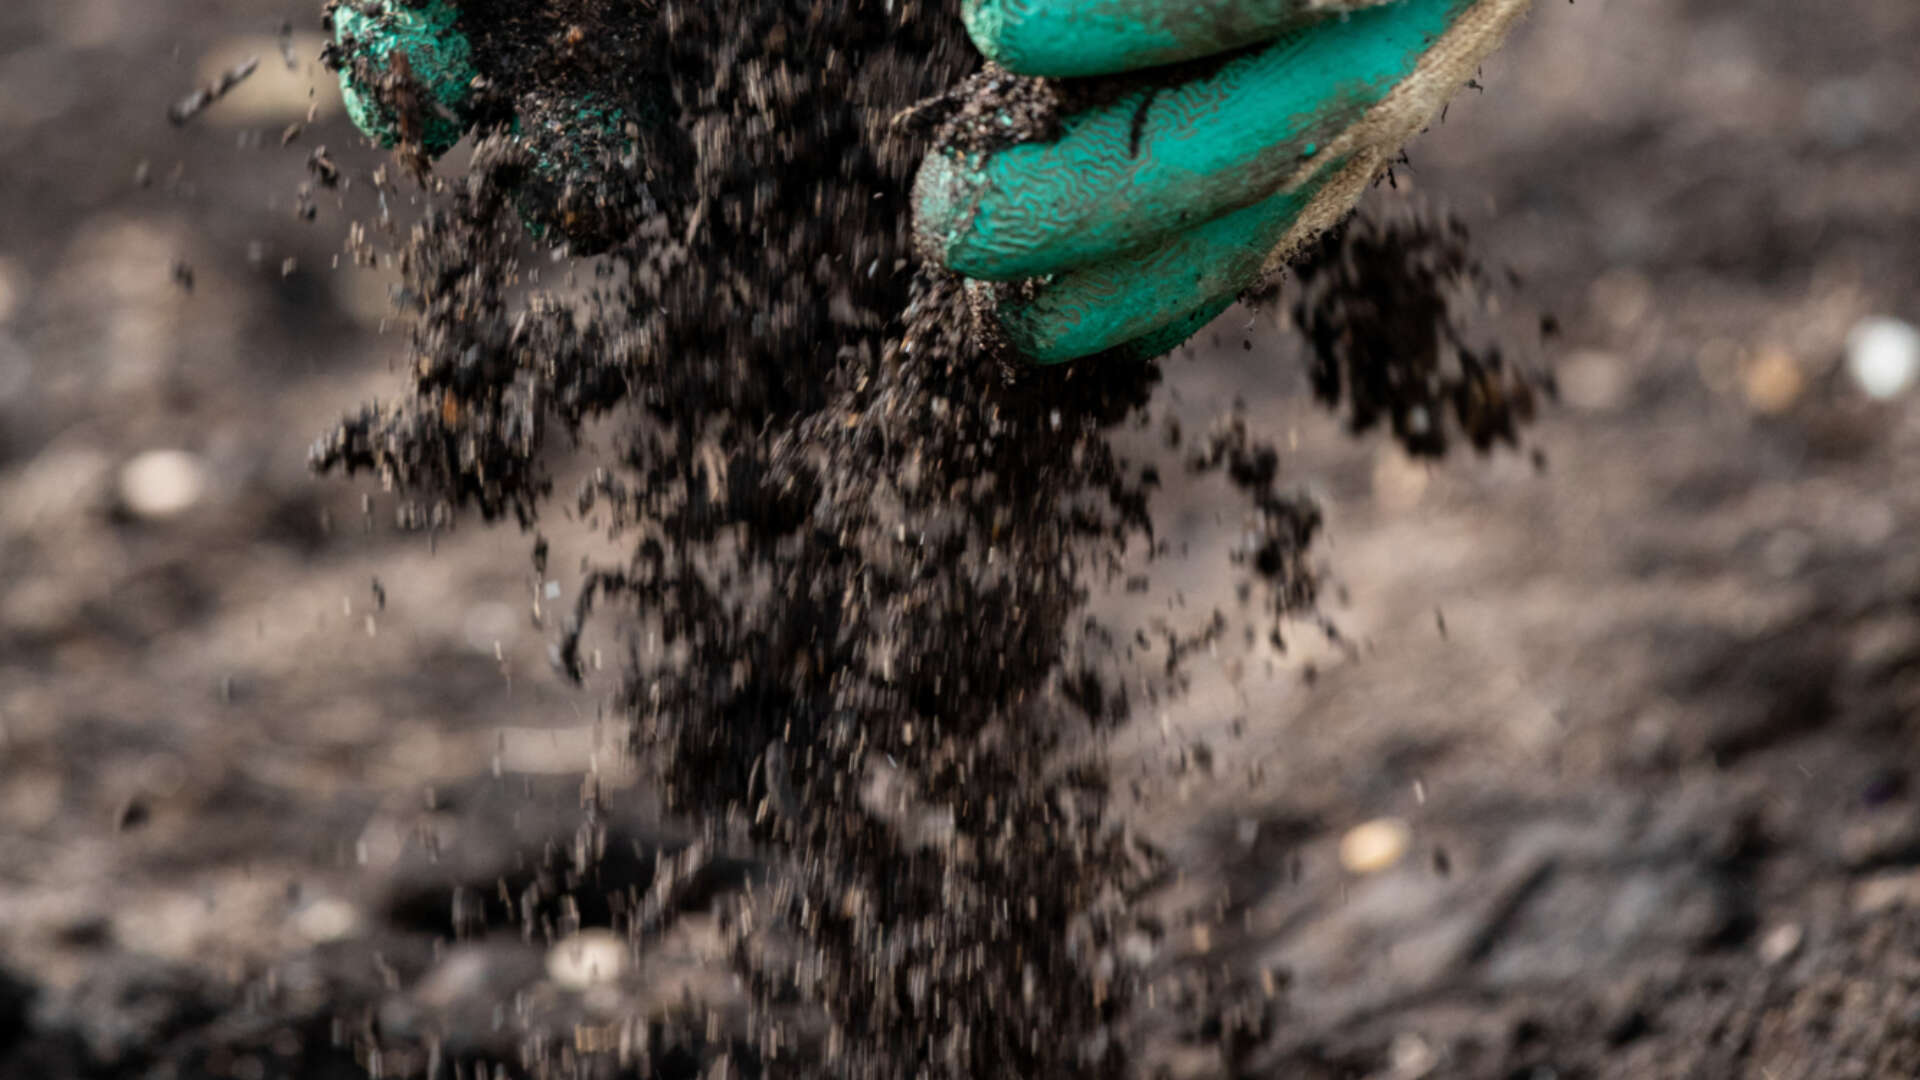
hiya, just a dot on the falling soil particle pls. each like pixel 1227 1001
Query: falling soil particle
pixel 860 542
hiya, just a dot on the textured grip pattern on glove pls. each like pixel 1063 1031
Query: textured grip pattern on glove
pixel 1099 307
pixel 1130 174
pixel 1063 38
pixel 374 37
pixel 1147 304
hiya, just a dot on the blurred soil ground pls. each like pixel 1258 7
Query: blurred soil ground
pixel 1612 774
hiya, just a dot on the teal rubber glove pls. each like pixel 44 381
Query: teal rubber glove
pixel 411 75
pixel 406 71
pixel 1150 213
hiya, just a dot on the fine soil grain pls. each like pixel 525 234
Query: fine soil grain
pixel 855 648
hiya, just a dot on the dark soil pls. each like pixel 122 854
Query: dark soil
pixel 861 540
pixel 1645 717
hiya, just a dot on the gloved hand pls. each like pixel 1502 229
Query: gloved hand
pixel 407 71
pixel 413 76
pixel 1152 212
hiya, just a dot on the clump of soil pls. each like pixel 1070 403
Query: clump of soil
pixel 1380 302
pixel 860 543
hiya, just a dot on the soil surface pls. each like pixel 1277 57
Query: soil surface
pixel 1604 771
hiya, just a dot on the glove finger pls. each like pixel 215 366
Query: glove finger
pixel 1155 299
pixel 1064 38
pixel 377 43
pixel 1130 174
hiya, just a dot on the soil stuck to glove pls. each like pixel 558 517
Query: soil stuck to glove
pixel 859 543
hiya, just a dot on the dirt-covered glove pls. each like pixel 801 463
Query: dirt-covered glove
pixel 1151 211
pixel 414 75
pixel 406 72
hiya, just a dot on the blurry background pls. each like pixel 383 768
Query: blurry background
pixel 1614 778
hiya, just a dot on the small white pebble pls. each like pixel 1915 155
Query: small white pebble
pixel 1375 845
pixel 1887 891
pixel 162 483
pixel 1772 381
pixel 1883 356
pixel 327 919
pixel 1781 943
pixel 587 959
pixel 1411 1057
pixel 13 288
pixel 1137 949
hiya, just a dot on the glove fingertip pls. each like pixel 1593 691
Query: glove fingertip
pixel 989 25
pixel 946 198
pixel 380 41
